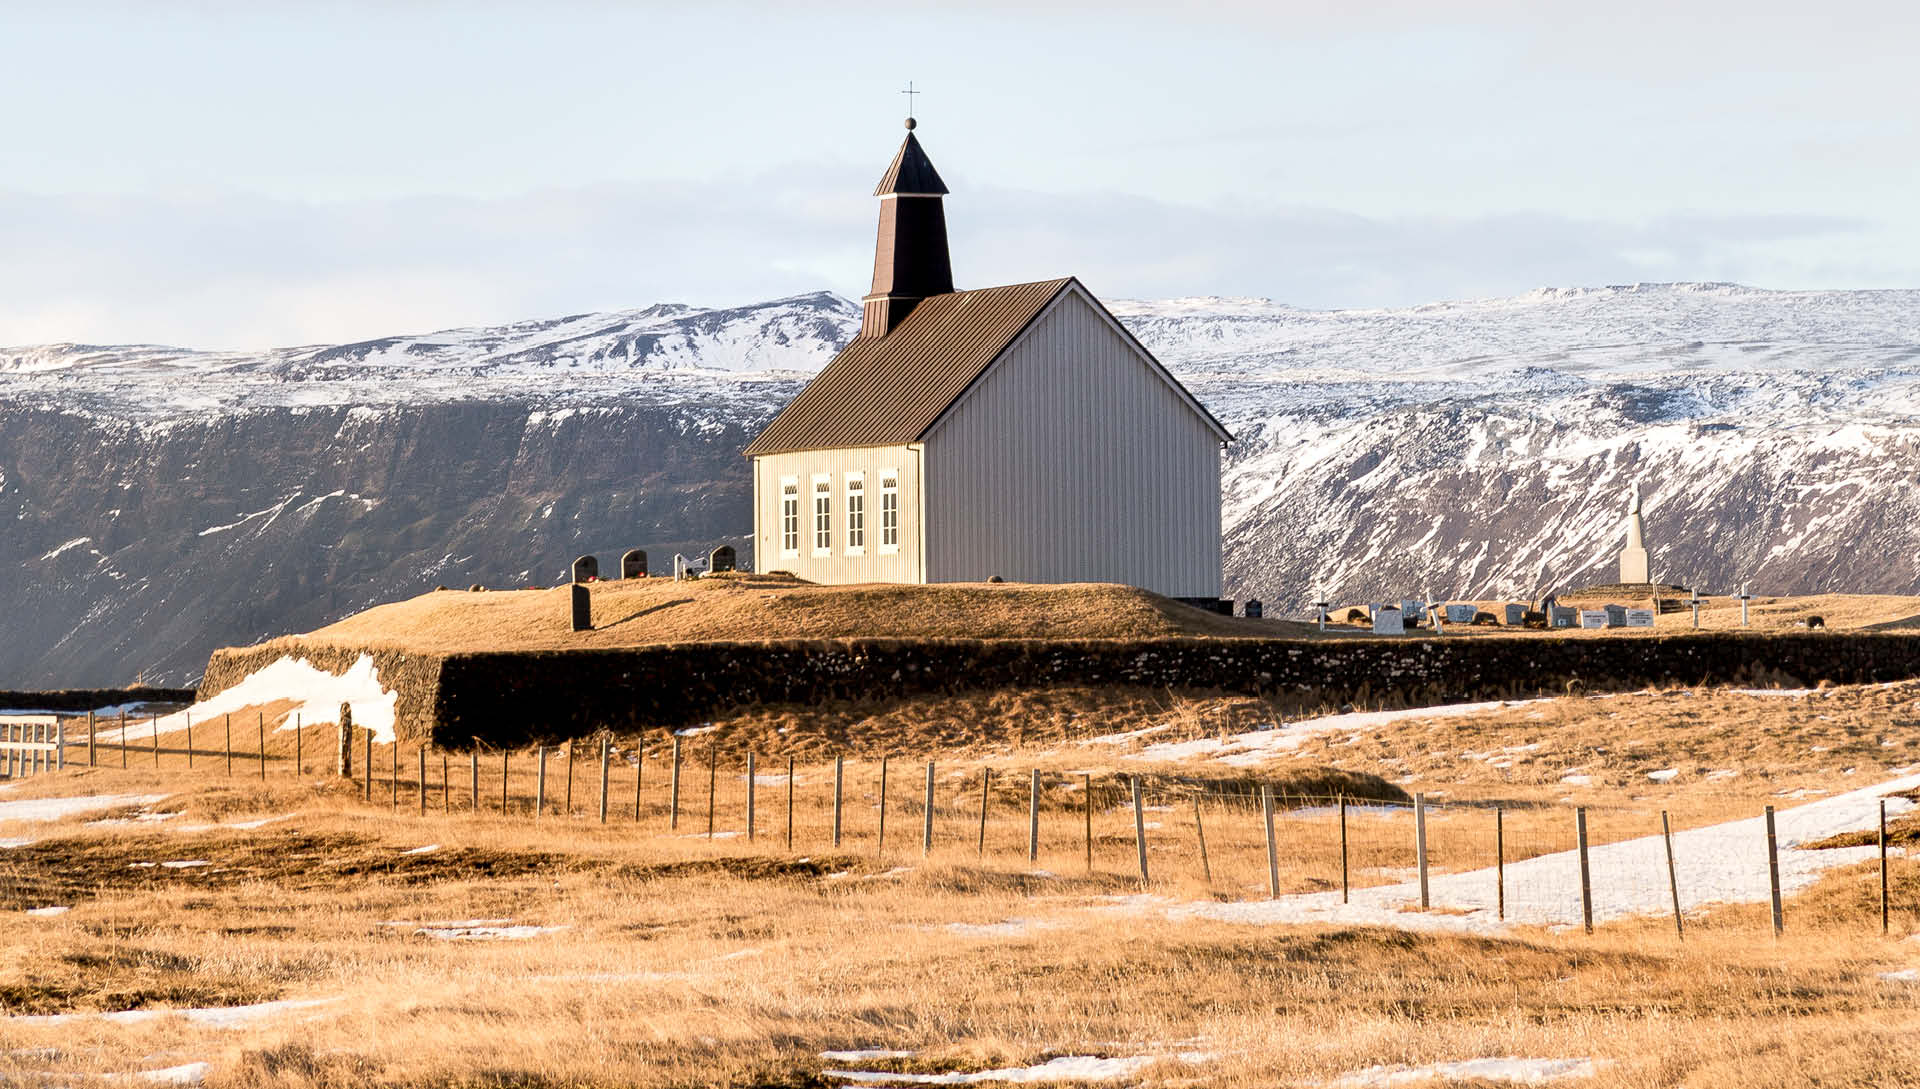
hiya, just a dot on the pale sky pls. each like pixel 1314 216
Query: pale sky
pixel 248 175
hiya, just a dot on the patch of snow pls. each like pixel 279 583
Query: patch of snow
pixel 696 731
pixel 485 933
pixel 427 850
pixel 317 696
pixel 1904 975
pixel 49 911
pixel 210 1016
pixel 1525 1071
pixel 53 809
pixel 185 864
pixel 864 1055
pixel 1788 693
pixel 1255 746
pixel 11 843
pixel 1064 1068
pixel 1723 863
pixel 1665 775
pixel 184 1074
pixel 75 543
pixel 1577 780
pixel 1007 928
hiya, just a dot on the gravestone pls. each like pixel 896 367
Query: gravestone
pixel 1593 618
pixel 585 569
pixel 1387 620
pixel 633 565
pixel 720 559
pixel 1639 618
pixel 1563 616
pixel 1616 616
pixel 1460 614
pixel 1412 610
pixel 582 607
pixel 1516 615
pixel 1255 610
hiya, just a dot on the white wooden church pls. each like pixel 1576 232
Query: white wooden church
pixel 1015 431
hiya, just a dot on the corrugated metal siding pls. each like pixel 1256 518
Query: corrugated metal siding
pixel 881 391
pixel 874 566
pixel 1074 460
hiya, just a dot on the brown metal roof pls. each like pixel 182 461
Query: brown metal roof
pixel 911 173
pixel 882 391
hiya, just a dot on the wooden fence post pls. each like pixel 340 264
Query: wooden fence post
pixel 366 767
pixel 639 773
pixel 1345 887
pixel 262 727
pixel 1420 845
pixel 123 739
pixel 839 782
pixel 1883 866
pixel 673 797
pixel 1139 829
pixel 540 784
pixel 446 786
pixel 1273 851
pixel 926 822
pixel 789 802
pixel 90 738
pixel 229 725
pixel 1086 796
pixel 570 777
pixel 299 755
pixel 606 762
pixel 1673 878
pixel 986 778
pixel 881 847
pixel 189 718
pixel 1500 862
pixel 473 779
pixel 420 759
pixel 59 744
pixel 1199 829
pixel 713 779
pixel 753 772
pixel 393 773
pixel 155 725
pixel 1033 818
pixel 1773 874
pixel 505 759
pixel 343 754
pixel 1586 876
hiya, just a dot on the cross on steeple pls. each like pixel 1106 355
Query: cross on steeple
pixel 910 92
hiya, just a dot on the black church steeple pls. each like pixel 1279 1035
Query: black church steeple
pixel 910 259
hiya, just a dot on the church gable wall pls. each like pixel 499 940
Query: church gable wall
pixel 1072 459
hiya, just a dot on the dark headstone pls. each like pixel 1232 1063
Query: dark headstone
pixel 1255 610
pixel 1817 622
pixel 720 559
pixel 582 607
pixel 586 568
pixel 475 588
pixel 995 578
pixel 633 565
pixel 1516 615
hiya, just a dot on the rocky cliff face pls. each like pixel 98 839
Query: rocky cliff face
pixel 159 503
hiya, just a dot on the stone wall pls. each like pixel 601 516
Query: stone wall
pixel 515 698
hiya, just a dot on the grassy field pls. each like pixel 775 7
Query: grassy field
pixel 494 949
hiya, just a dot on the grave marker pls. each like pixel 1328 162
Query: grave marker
pixel 586 568
pixel 1254 609
pixel 1387 620
pixel 633 564
pixel 1516 615
pixel 720 559
pixel 1410 609
pixel 1461 614
pixel 1563 616
pixel 1616 615
pixel 1639 618
pixel 1593 618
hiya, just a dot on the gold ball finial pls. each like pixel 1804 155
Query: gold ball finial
pixel 910 124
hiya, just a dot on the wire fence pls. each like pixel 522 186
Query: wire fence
pixel 1241 838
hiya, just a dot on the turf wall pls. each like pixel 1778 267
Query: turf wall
pixel 515 698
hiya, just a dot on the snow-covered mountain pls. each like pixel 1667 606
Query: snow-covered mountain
pixel 161 501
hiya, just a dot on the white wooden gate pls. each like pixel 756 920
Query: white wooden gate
pixel 29 744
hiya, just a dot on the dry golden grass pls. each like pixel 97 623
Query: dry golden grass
pixel 689 961
pixel 746 607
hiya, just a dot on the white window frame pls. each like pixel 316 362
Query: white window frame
pixel 854 486
pixel 789 530
pixel 889 504
pixel 822 514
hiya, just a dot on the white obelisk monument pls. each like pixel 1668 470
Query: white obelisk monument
pixel 1634 570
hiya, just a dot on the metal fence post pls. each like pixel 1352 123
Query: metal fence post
pixel 1883 866
pixel 986 779
pixel 1500 861
pixel 1199 829
pixel 1345 887
pixel 1273 852
pixel 606 760
pixel 1139 830
pixel 1033 818
pixel 839 782
pixel 540 784
pixel 1773 874
pixel 789 803
pixel 881 847
pixel 1673 878
pixel 673 795
pixel 926 822
pixel 753 783
pixel 1586 875
pixel 91 725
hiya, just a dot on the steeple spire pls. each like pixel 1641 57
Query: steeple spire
pixel 910 260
